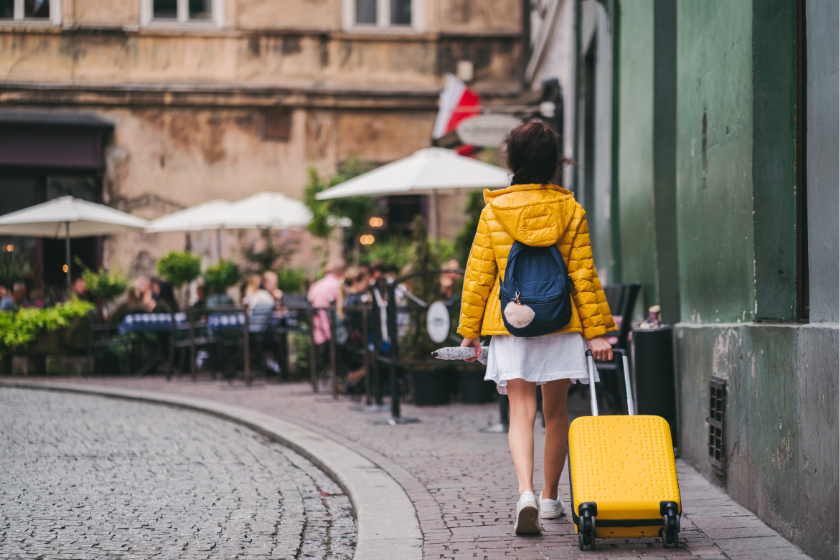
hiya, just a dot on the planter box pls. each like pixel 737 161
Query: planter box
pixel 473 388
pixel 27 365
pixel 68 366
pixel 431 386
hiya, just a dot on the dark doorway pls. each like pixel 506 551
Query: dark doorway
pixel 588 124
pixel 45 155
pixel 24 187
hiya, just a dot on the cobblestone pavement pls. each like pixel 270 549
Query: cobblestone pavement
pixel 87 477
pixel 463 484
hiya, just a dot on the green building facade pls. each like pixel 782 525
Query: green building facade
pixel 725 190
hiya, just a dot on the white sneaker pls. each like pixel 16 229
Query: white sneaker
pixel 527 515
pixel 551 509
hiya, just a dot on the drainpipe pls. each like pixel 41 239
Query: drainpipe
pixel 576 99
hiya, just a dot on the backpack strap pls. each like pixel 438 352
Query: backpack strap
pixel 509 281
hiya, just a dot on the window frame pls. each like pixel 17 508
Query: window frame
pixel 19 19
pixel 216 21
pixel 383 18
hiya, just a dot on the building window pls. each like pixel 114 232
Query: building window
pixel 277 126
pixel 182 12
pixel 391 15
pixel 31 11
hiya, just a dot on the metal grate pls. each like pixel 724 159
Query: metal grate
pixel 717 411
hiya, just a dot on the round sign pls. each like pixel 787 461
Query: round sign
pixel 437 321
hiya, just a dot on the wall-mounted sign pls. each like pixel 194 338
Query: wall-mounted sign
pixel 486 130
pixel 437 321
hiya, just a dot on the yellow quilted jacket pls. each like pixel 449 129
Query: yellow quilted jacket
pixel 536 215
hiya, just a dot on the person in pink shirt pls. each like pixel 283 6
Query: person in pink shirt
pixel 324 291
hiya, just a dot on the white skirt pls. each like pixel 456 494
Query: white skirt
pixel 539 359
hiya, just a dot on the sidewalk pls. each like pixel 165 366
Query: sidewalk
pixel 462 482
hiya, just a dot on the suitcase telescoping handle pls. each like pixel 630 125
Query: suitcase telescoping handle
pixel 593 399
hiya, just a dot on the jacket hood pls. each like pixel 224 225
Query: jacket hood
pixel 536 215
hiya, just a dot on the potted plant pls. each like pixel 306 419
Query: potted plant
pixel 179 268
pixel 32 331
pixel 104 285
pixel 431 382
pixel 218 278
pixel 13 269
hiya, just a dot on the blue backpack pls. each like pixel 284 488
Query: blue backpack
pixel 536 292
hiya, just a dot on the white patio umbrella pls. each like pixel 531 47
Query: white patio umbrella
pixel 264 210
pixel 194 218
pixel 427 171
pixel 67 217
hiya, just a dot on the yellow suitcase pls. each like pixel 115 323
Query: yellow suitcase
pixel 622 473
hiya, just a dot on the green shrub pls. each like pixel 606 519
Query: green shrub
pixel 13 268
pixel 324 212
pixel 19 328
pixel 395 251
pixel 275 252
pixel 426 287
pixel 221 276
pixel 464 239
pixel 446 250
pixel 105 285
pixel 290 280
pixel 300 344
pixel 179 268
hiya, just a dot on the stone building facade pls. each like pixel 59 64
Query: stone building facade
pixel 195 100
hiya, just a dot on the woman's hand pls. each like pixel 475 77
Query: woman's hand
pixel 472 343
pixel 601 349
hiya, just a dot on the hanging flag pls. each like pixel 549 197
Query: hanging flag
pixel 457 102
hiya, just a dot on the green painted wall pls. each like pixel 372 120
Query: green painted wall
pixel 735 148
pixel 774 157
pixel 635 147
pixel 714 155
pixel 781 422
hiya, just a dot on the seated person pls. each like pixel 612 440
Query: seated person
pixel 144 287
pixel 133 304
pixel 255 294
pixel 270 285
pixel 79 290
pixel 164 297
pixel 16 299
pixel 37 298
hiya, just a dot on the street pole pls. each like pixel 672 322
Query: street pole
pixel 191 319
pixel 366 341
pixel 67 250
pixel 333 372
pixel 394 356
pixel 435 214
pixel 247 356
pixel 313 366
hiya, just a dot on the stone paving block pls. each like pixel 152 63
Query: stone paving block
pixel 753 544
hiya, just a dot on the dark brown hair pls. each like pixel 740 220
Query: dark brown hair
pixel 532 153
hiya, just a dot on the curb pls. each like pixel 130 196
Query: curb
pixel 386 519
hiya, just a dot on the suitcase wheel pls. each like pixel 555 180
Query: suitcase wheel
pixel 670 531
pixel 586 531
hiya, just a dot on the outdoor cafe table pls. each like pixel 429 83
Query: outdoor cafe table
pixel 151 323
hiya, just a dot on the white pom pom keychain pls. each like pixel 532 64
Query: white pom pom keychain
pixel 518 315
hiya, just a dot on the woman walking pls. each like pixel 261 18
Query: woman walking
pixel 537 214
